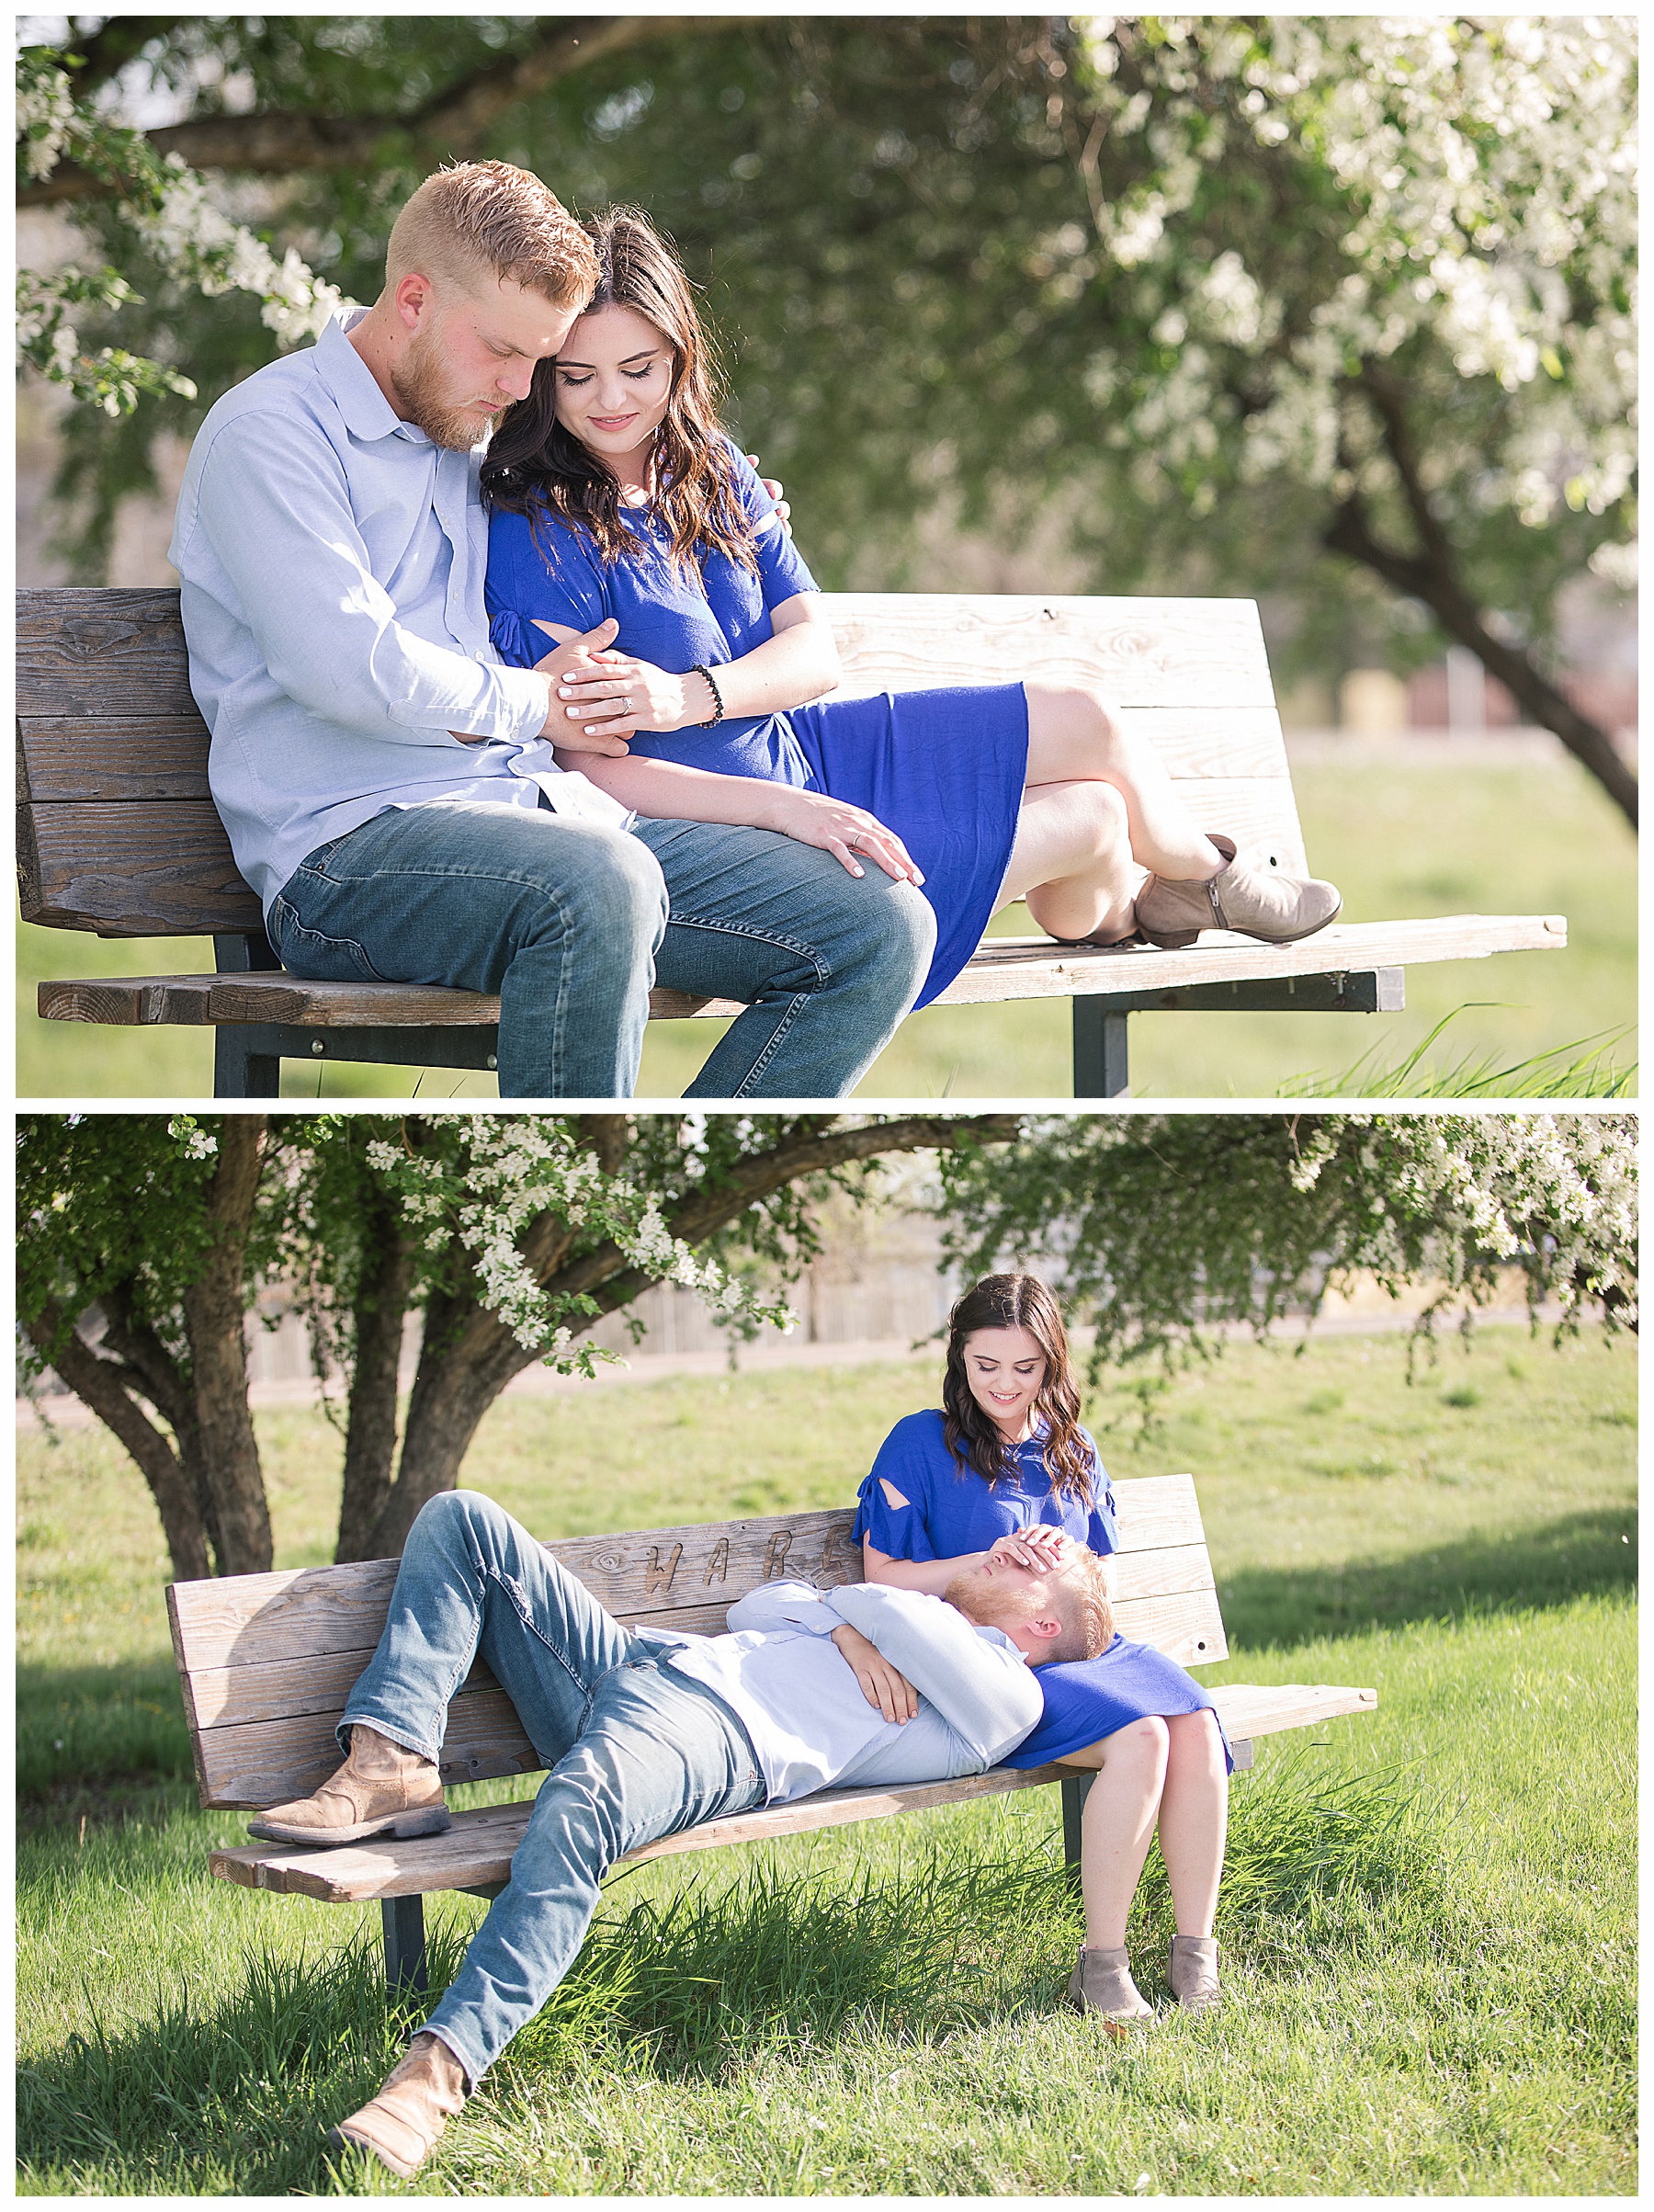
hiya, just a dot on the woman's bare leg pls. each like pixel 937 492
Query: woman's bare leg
pixel 1073 861
pixel 1117 1824
pixel 1193 1819
pixel 1074 735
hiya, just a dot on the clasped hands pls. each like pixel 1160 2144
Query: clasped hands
pixel 600 699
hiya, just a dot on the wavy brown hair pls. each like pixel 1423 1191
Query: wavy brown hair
pixel 1016 1301
pixel 537 468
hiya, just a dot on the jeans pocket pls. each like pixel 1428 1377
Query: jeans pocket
pixel 315 954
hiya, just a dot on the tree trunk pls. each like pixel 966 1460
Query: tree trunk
pixel 214 1320
pixel 382 1308
pixel 466 1359
pixel 99 1383
pixel 1433 576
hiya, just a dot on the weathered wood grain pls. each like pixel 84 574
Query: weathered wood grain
pixel 1016 968
pixel 1143 653
pixel 271 1760
pixel 101 653
pixel 1259 1710
pixel 78 760
pixel 142 868
pixel 187 1001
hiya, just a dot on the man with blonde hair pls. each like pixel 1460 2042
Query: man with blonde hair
pixel 389 788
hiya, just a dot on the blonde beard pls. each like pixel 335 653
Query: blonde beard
pixel 987 1604
pixel 419 383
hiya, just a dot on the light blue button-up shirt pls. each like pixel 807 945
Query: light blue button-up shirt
pixel 331 561
pixel 799 1701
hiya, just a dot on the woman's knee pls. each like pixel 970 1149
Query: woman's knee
pixel 1145 1742
pixel 1196 1736
pixel 1078 714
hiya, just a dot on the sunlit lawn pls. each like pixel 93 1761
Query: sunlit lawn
pixel 1403 842
pixel 1431 1975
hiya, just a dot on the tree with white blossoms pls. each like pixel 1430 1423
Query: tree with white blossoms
pixel 143 1243
pixel 170 211
pixel 1163 1228
pixel 1438 339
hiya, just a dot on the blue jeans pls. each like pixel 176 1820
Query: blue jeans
pixel 635 1750
pixel 571 922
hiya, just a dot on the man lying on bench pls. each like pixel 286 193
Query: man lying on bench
pixel 645 1733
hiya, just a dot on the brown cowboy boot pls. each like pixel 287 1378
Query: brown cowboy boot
pixel 1255 897
pixel 400 2126
pixel 1101 1983
pixel 1194 1973
pixel 379 1790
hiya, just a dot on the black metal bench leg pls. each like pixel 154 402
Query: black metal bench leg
pixel 1099 1050
pixel 1075 1790
pixel 405 1945
pixel 240 1072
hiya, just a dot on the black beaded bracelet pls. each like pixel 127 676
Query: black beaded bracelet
pixel 701 669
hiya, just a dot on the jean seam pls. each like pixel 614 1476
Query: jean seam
pixel 823 967
pixel 793 1008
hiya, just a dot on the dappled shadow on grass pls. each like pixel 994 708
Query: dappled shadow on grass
pixel 1581 1554
pixel 235 2098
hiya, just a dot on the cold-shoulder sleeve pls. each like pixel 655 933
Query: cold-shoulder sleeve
pixel 1102 1532
pixel 899 1531
pixel 524 587
pixel 781 568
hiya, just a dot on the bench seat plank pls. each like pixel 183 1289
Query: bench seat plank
pixel 1003 968
pixel 476 1852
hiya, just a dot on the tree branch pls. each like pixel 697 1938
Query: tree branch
pixel 1431 575
pixel 455 123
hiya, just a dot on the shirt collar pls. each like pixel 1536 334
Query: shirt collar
pixel 367 413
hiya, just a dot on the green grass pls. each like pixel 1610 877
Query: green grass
pixel 1428 1919
pixel 1406 841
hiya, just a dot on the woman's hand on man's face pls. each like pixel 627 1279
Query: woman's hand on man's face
pixel 1038 1545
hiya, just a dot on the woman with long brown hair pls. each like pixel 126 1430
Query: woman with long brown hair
pixel 1004 1471
pixel 617 498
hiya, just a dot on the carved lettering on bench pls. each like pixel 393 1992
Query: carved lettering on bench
pixel 655 1576
pixel 832 1560
pixel 775 1559
pixel 718 1566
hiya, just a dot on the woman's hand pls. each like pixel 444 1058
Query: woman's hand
pixel 892 1692
pixel 616 695
pixel 845 831
pixel 1038 1545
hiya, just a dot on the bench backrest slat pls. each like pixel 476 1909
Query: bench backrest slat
pixel 108 732
pixel 266 1660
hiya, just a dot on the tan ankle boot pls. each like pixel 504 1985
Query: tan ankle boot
pixel 1253 896
pixel 400 2126
pixel 379 1790
pixel 1194 1973
pixel 1101 1983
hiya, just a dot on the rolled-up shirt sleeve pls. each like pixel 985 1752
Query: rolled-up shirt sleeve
pixel 979 1682
pixel 276 509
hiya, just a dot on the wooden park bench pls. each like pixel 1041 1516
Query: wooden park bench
pixel 117 833
pixel 267 1660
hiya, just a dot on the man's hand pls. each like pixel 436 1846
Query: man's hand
pixel 772 484
pixel 883 1687
pixel 1037 1546
pixel 581 655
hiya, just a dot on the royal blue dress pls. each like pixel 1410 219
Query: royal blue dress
pixel 944 769
pixel 952 1510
